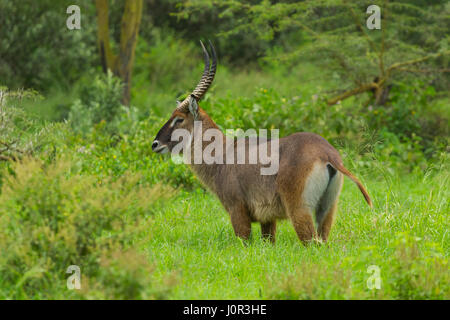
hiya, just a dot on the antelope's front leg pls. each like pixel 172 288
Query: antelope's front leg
pixel 268 230
pixel 240 220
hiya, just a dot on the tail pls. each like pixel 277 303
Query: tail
pixel 339 166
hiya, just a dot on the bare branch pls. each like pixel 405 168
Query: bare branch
pixel 414 61
pixel 424 70
pixel 363 88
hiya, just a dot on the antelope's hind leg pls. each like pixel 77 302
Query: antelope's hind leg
pixel 268 230
pixel 301 218
pixel 298 212
pixel 301 193
pixel 324 227
pixel 327 207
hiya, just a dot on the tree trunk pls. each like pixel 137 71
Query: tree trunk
pixel 120 64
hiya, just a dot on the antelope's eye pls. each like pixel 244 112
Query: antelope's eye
pixel 177 120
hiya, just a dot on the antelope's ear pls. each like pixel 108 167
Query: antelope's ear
pixel 193 106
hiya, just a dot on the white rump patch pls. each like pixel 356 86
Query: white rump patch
pixel 315 185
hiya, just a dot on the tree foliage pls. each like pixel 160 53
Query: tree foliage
pixel 413 39
pixel 36 48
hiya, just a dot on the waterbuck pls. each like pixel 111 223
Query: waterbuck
pixel 308 181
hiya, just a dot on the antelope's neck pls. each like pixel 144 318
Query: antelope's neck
pixel 206 173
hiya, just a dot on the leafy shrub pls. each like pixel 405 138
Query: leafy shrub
pixel 406 113
pixel 100 104
pixel 268 110
pixel 21 134
pixel 52 218
pixel 105 156
pixel 124 275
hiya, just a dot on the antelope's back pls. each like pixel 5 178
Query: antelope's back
pixel 305 149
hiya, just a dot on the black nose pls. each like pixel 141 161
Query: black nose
pixel 155 144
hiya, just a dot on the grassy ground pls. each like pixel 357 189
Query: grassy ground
pixel 192 238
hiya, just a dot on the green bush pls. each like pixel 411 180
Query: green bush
pixel 406 113
pixel 100 105
pixel 21 133
pixel 52 218
pixel 103 155
pixel 268 110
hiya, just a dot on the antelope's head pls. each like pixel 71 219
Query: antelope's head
pixel 188 111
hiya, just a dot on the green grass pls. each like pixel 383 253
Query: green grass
pixel 191 237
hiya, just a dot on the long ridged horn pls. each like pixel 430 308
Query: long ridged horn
pixel 205 81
